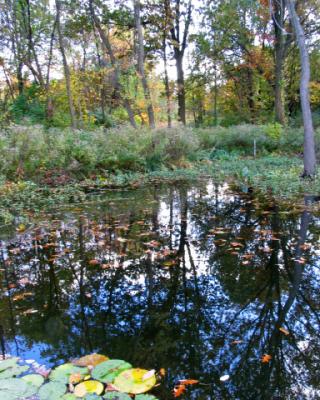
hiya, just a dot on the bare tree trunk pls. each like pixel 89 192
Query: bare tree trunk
pixel 140 65
pixel 181 89
pixel 66 68
pixel 32 50
pixel 50 110
pixel 179 46
pixel 108 49
pixel 279 55
pixel 166 83
pixel 309 154
pixel 215 98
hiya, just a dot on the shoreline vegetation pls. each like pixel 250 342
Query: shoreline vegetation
pixel 43 168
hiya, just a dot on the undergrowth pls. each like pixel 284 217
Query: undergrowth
pixel 43 168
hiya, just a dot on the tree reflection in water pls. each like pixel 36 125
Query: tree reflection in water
pixel 197 280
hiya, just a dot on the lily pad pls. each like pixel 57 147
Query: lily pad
pixel 93 397
pixel 52 391
pixel 145 397
pixel 63 372
pixel 69 396
pixel 9 363
pixel 34 379
pixel 107 371
pixel 16 370
pixel 16 389
pixel 88 387
pixel 117 396
pixel 91 359
pixel 135 381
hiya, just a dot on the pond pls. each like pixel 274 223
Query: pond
pixel 200 280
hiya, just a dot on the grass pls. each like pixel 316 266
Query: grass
pixel 43 168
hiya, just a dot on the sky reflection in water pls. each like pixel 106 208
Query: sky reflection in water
pixel 197 280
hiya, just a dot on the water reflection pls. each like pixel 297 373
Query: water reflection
pixel 196 280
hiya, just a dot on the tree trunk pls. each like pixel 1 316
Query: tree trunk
pixel 65 68
pixel 279 54
pixel 166 83
pixel 181 89
pixel 309 154
pixel 32 50
pixel 179 47
pixel 108 49
pixel 140 62
pixel 215 97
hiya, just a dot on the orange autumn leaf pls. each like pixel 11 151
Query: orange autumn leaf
pixel 188 381
pixel 284 331
pixel 162 372
pixel 94 262
pixel 179 390
pixel 266 358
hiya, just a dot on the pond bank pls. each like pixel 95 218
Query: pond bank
pixel 274 175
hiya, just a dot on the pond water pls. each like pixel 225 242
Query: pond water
pixel 199 280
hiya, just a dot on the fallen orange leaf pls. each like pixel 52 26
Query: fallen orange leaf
pixel 284 331
pixel 179 390
pixel 266 358
pixel 188 381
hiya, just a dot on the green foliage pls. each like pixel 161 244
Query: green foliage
pixel 28 104
pixel 274 131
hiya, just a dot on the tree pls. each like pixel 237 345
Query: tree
pixel 65 66
pixel 179 44
pixel 109 50
pixel 140 62
pixel 309 154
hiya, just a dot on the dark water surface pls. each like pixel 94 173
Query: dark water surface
pixel 194 279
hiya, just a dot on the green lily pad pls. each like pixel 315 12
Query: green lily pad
pixel 63 372
pixel 108 370
pixel 9 363
pixel 16 370
pixel 34 379
pixel 145 397
pixel 52 391
pixel 135 381
pixel 69 396
pixel 93 397
pixel 16 389
pixel 117 396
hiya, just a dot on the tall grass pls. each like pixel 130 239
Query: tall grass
pixel 29 152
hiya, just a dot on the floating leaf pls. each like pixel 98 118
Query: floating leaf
pixel 266 358
pixel 75 378
pixel 108 370
pixel 64 371
pixel 134 381
pixel 16 370
pixel 34 379
pixel 52 391
pixel 284 331
pixel 16 389
pixel 145 397
pixel 91 359
pixel 88 387
pixel 162 371
pixel 69 396
pixel 10 362
pixel 188 381
pixel 116 396
pixel 179 390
